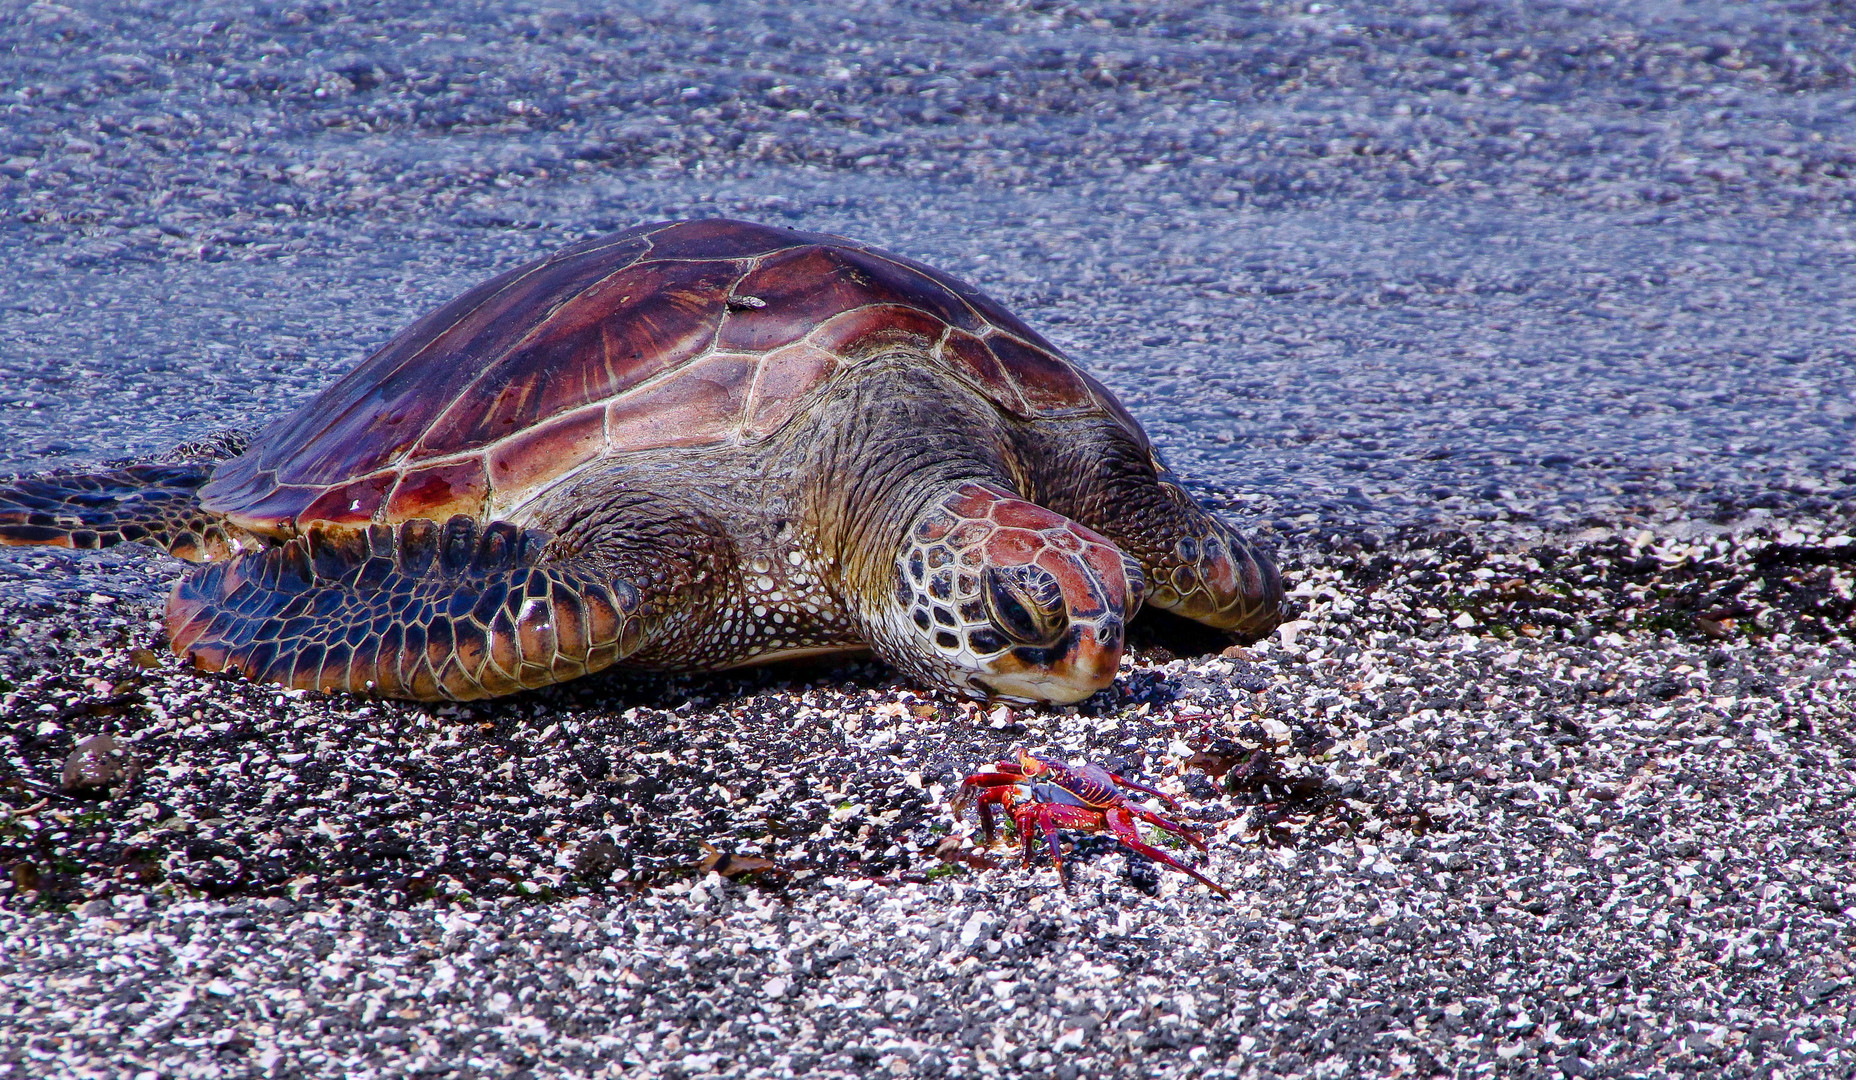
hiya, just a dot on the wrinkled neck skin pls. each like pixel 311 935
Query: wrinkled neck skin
pixel 885 447
pixel 910 492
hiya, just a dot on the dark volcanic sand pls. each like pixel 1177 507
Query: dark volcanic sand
pixel 1524 329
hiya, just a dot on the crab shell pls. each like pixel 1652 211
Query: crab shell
pixel 685 334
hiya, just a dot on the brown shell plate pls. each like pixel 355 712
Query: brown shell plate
pixel 691 333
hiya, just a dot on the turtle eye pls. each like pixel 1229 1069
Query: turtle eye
pixel 1025 603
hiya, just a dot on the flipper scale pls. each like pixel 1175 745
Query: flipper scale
pixel 419 611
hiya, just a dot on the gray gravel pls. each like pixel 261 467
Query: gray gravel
pixel 1524 329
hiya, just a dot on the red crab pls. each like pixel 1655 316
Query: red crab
pixel 1049 795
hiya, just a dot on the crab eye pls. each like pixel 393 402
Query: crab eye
pixel 1025 603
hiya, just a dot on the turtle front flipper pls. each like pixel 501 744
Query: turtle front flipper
pixel 151 504
pixel 1110 479
pixel 418 610
pixel 1195 565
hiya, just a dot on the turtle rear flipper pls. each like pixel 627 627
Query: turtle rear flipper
pixel 213 447
pixel 151 504
pixel 418 611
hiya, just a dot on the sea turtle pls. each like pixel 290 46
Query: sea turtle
pixel 686 446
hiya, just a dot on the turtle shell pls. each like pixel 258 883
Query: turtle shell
pixel 686 334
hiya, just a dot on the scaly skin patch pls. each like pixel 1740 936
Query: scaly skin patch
pixel 1004 599
pixel 151 503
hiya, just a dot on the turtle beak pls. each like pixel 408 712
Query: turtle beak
pixel 1080 663
pixel 1090 588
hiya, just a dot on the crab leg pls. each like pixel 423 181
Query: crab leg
pixel 1049 818
pixel 1186 833
pixel 1138 786
pixel 1022 818
pixel 1121 823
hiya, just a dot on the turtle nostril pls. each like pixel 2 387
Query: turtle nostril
pixel 1025 603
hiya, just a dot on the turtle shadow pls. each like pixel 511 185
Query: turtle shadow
pixel 1154 638
pixel 1157 637
pixel 619 689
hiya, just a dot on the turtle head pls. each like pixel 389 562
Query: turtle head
pixel 996 597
